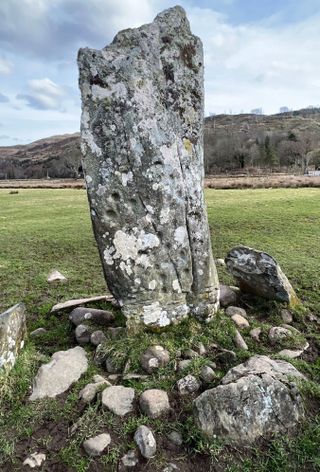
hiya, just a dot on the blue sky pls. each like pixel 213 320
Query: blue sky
pixel 257 54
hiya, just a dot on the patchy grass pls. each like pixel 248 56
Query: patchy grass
pixel 46 229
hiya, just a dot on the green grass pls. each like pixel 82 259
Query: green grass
pixel 41 230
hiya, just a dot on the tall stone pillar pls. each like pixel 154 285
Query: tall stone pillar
pixel 142 145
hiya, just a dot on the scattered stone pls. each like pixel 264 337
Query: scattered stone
pixel 35 460
pixel 116 333
pixel 132 376
pixel 277 333
pixel 201 349
pixel 170 468
pixel 236 310
pixel 154 403
pixel 239 341
pixel 270 404
pixel 145 441
pixel 89 392
pixel 99 378
pixel 313 318
pixel 13 331
pixel 97 337
pixel 56 276
pixel 65 368
pixel 96 446
pixel 227 296
pixel 255 334
pixel 207 374
pixel 111 366
pixel 82 334
pixel 189 354
pixel 188 384
pixel 166 228
pixel 258 273
pixel 221 262
pixel 291 354
pixel 80 301
pixel 184 364
pixel 240 321
pixel 118 399
pixel 175 437
pixel 38 332
pixel 100 356
pixel 153 358
pixel 130 459
pixel 226 357
pixel 286 316
pixel 100 317
pixel 114 377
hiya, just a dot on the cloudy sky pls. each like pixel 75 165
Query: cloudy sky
pixel 257 54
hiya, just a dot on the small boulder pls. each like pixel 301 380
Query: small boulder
pixel 154 403
pixel 277 333
pixel 89 392
pixel 99 317
pixel 207 374
pixel 188 384
pixel 153 358
pixel 118 399
pixel 145 441
pixel 56 276
pixel 258 273
pixel 96 446
pixel 227 296
pixel 240 342
pixel 35 460
pixel 236 310
pixel 13 331
pixel 82 334
pixel 97 337
pixel 240 321
pixel 65 368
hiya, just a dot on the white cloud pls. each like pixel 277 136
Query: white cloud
pixel 43 94
pixel 6 67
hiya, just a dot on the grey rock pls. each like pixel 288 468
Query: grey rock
pixel 291 328
pixel 154 403
pixel 227 296
pixel 255 334
pixel 96 446
pixel 38 332
pixel 35 459
pixel 188 384
pixel 130 459
pixel 99 317
pixel 239 341
pixel 290 353
pixel 100 355
pixel 240 321
pixel 258 273
pixel 171 467
pixel 56 276
pixel 133 376
pixel 65 368
pixel 175 438
pixel 145 441
pixel 207 374
pixel 277 333
pixel 270 404
pixel 236 310
pixel 201 349
pixel 190 354
pixel 226 357
pixel 141 130
pixel 97 337
pixel 118 399
pixel 184 364
pixel 286 316
pixel 221 262
pixel 83 334
pixel 13 331
pixel 153 358
pixel 80 301
pixel 111 366
pixel 89 392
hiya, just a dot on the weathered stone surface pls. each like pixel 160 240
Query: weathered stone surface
pixel 83 334
pixel 65 368
pixel 80 301
pixel 36 459
pixel 188 384
pixel 154 403
pixel 100 317
pixel 277 333
pixel 207 374
pixel 189 354
pixel 118 399
pixel 184 364
pixel 227 296
pixel 255 399
pixel 239 341
pixel 145 441
pixel 154 357
pixel 56 276
pixel 129 460
pixel 258 273
pixel 96 445
pixel 286 316
pixel 142 133
pixel 97 337
pixel 38 332
pixel 175 438
pixel 255 334
pixel 240 321
pixel 89 392
pixel 236 310
pixel 12 334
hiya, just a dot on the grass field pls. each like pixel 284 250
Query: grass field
pixel 47 229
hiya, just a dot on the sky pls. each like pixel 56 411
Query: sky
pixel 258 54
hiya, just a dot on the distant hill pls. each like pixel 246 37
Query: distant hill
pixel 232 143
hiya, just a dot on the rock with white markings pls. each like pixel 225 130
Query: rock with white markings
pixel 154 358
pixel 35 459
pixel 83 334
pixel 255 334
pixel 97 445
pixel 13 331
pixel 97 337
pixel 142 146
pixel 100 317
pixel 188 384
pixel 145 441
pixel 277 333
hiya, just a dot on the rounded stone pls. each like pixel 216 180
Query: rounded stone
pixel 236 310
pixel 97 337
pixel 240 321
pixel 154 403
pixel 188 384
pixel 145 441
pixel 153 358
pixel 82 334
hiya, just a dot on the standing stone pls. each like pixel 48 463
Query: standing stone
pixel 258 273
pixel 142 146
pixel 12 334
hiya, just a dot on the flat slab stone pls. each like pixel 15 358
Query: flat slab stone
pixel 65 368
pixel 118 399
pixel 12 334
pixel 142 146
pixel 80 301
pixel 259 273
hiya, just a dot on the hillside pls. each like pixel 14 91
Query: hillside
pixel 288 141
